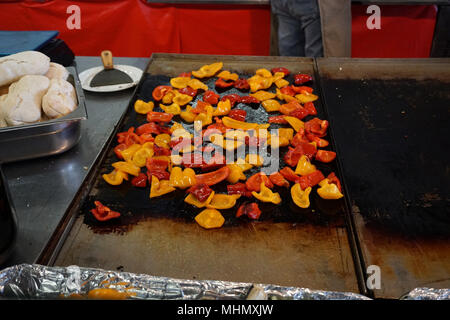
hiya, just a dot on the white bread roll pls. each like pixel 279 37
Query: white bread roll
pixel 2 117
pixel 57 71
pixel 17 65
pixel 23 103
pixel 60 99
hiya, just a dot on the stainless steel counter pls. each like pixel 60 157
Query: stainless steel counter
pixel 42 189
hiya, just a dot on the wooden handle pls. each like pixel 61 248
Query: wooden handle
pixel 107 59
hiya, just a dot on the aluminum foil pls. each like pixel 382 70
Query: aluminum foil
pixel 40 282
pixel 427 294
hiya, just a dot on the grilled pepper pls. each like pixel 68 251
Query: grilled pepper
pixel 263 95
pixel 192 199
pixel 210 218
pixel 182 178
pixel 305 166
pixel 103 213
pixel 143 107
pixel 254 182
pixel 271 105
pixel 115 177
pixel 127 154
pixel 200 191
pixel 299 196
pixel 236 173
pixel 249 209
pixel 266 195
pixel 295 123
pixel 174 108
pixel 208 70
pixel 160 188
pixel 329 191
pixel 223 108
pixel 140 156
pixel 227 75
pixel 127 167
pixel 213 177
pixel 223 201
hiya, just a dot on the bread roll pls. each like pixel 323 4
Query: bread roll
pixel 2 116
pixel 57 71
pixel 23 103
pixel 60 99
pixel 17 65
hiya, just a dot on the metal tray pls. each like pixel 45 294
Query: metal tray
pixel 311 248
pixel 46 137
pixel 390 120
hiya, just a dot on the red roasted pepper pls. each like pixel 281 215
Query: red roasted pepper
pixel 249 209
pixel 302 78
pixel 213 177
pixel 249 100
pixel 103 213
pixel 317 127
pixel 220 83
pixel 241 84
pixel 277 119
pixel 239 188
pixel 289 174
pixel 299 113
pixel 160 91
pixel 288 91
pixel 185 74
pixel 188 91
pixel 281 69
pixel 117 149
pixel 302 89
pixel 321 143
pixel 233 97
pixel 278 179
pixel 159 117
pixel 303 148
pixel 325 156
pixel 254 182
pixel 140 181
pixel 310 180
pixel 238 114
pixel 211 97
pixel 309 106
pixel 201 191
pixel 150 127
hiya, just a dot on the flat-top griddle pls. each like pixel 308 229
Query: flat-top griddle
pixel 287 246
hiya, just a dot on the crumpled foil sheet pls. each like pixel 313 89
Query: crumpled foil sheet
pixel 40 282
pixel 427 294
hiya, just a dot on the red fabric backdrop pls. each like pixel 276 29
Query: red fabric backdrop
pixel 406 32
pixel 135 28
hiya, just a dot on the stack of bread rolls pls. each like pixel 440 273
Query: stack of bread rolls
pixel 33 89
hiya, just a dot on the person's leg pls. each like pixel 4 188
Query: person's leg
pixel 291 38
pixel 336 23
pixel 313 36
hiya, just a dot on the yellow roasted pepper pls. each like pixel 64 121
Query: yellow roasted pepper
pixel 227 75
pixel 295 123
pixel 162 140
pixel 116 177
pixel 271 105
pixel 127 167
pixel 223 201
pixel 197 84
pixel 284 97
pixel 187 115
pixel 236 124
pixel 304 166
pixel 143 107
pixel 329 191
pixel 264 73
pixel 262 95
pixel 230 145
pixel 258 82
pixel 223 108
pixel 181 99
pixel 180 82
pixel 140 157
pixel 210 218
pixel 174 108
pixel 160 188
pixel 191 199
pixel 280 83
pixel 168 97
pixel 299 196
pixel 182 179
pixel 236 173
pixel 306 97
pixel 266 195
pixel 254 159
pixel 128 153
pixel 208 70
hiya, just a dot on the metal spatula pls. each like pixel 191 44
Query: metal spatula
pixel 109 76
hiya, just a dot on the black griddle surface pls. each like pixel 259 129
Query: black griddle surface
pixel 393 140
